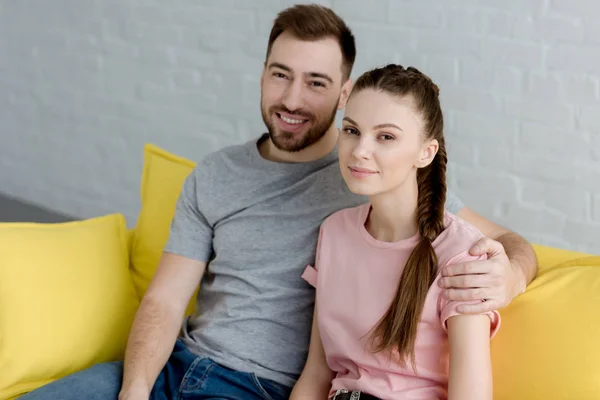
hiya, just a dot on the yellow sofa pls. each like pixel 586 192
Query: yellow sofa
pixel 68 293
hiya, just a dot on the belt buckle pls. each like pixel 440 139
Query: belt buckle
pixel 355 395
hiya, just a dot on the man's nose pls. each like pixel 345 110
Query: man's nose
pixel 293 98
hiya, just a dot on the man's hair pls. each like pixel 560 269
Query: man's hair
pixel 315 22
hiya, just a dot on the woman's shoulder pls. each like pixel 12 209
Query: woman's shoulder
pixel 458 226
pixel 457 238
pixel 344 217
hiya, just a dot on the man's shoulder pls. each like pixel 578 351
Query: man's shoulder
pixel 228 152
pixel 216 161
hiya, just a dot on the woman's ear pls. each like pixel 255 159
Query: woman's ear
pixel 346 89
pixel 428 152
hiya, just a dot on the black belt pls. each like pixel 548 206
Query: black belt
pixel 343 394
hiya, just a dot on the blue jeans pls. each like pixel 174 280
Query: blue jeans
pixel 185 376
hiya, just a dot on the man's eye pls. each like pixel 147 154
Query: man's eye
pixel 317 84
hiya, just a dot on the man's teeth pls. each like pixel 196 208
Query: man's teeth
pixel 291 121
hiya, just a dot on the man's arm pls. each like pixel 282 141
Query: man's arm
pixel 519 251
pixel 157 323
pixel 510 266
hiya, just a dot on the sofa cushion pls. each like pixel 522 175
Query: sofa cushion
pixel 162 179
pixel 549 257
pixel 66 299
pixel 548 346
pixel 528 334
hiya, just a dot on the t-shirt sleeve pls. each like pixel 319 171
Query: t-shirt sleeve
pixel 311 273
pixel 453 203
pixel 448 307
pixel 191 234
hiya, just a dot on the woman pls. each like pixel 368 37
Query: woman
pixel 382 329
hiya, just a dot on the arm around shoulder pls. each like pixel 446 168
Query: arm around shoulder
pixel 470 360
pixel 518 250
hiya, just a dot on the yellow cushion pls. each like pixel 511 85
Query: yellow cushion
pixel 549 256
pixel 130 235
pixel 66 299
pixel 548 346
pixel 162 179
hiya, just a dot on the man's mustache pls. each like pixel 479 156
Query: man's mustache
pixel 299 113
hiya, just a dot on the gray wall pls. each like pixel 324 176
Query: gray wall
pixel 85 83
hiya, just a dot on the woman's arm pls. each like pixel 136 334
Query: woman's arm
pixel 470 361
pixel 315 381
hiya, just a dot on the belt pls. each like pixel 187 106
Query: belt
pixel 343 394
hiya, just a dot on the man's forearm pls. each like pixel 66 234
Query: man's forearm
pixel 150 343
pixel 520 253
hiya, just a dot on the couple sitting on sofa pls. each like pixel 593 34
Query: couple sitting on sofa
pixel 407 279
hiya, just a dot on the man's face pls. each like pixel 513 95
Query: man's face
pixel 300 90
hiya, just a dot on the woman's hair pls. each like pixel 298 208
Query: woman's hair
pixel 397 330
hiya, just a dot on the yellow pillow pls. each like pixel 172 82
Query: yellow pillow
pixel 66 299
pixel 548 346
pixel 162 179
pixel 549 256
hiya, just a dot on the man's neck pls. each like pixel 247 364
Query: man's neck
pixel 318 150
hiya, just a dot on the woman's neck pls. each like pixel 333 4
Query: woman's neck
pixel 394 214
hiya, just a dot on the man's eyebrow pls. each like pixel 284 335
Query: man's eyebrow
pixel 320 75
pixel 311 74
pixel 280 66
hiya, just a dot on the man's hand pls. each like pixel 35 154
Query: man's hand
pixel 495 281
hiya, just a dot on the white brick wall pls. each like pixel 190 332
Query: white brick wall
pixel 85 83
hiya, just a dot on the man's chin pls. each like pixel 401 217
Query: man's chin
pixel 290 142
pixel 290 146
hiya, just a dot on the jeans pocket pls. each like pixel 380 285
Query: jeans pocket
pixel 196 375
pixel 260 387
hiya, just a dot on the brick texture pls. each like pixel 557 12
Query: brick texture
pixel 85 83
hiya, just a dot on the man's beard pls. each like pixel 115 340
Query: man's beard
pixel 287 141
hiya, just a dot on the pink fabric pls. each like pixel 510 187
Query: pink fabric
pixel 356 277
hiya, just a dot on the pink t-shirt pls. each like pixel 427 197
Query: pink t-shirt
pixel 356 277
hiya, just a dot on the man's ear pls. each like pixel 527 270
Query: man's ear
pixel 428 152
pixel 346 89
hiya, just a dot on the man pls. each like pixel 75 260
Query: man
pixel 246 225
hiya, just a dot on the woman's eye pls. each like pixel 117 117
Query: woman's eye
pixel 351 131
pixel 387 137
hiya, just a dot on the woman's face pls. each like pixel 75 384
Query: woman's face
pixel 381 143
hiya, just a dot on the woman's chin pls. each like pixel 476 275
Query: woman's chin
pixel 361 190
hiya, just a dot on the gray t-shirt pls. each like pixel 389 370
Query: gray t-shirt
pixel 257 223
